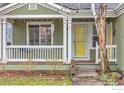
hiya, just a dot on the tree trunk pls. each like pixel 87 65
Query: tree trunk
pixel 101 33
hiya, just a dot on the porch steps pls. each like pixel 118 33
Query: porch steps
pixel 74 63
pixel 84 76
pixel 86 73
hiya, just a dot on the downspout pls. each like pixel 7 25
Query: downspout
pixel 95 18
pixel 94 15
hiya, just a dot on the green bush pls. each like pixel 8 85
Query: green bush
pixel 109 81
pixel 103 77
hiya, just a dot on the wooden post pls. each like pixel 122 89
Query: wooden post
pixel 4 24
pixel 69 40
pixel 0 38
pixel 97 53
pixel 65 39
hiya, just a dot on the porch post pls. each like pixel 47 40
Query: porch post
pixel 4 24
pixel 0 38
pixel 65 39
pixel 69 40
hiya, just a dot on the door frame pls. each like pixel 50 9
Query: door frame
pixel 87 57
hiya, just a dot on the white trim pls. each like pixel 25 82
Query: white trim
pixel 120 12
pixel 7 6
pixel 60 7
pixel 34 60
pixel 80 59
pixel 119 9
pixel 56 10
pixel 87 57
pixel 81 23
pixel 69 40
pixel 0 39
pixel 12 8
pixel 87 16
pixel 33 16
pixel 35 46
pixel 27 30
pixel 40 23
pixel 92 37
pixel 54 7
pixel 97 51
pixel 118 6
pixel 30 8
pixel 65 39
pixel 94 11
pixel 4 40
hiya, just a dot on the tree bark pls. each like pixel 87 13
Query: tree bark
pixel 101 33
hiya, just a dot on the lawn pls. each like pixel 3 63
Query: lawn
pixel 33 81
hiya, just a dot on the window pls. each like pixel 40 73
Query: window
pixel 95 37
pixel 32 6
pixel 34 34
pixel 108 34
pixel 40 34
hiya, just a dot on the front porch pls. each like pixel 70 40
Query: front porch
pixel 64 44
pixel 48 44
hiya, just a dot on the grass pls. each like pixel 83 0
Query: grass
pixel 33 81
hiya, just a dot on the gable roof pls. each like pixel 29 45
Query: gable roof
pixel 68 9
pixel 11 7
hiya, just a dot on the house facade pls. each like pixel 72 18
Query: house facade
pixel 44 33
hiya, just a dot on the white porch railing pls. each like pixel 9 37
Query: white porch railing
pixel 35 53
pixel 111 53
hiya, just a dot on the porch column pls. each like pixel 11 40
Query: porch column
pixel 0 38
pixel 69 40
pixel 65 39
pixel 4 24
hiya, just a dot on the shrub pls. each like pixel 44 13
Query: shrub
pixel 29 66
pixel 103 77
pixel 108 80
pixel 114 76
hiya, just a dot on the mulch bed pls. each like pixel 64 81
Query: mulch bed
pixel 43 74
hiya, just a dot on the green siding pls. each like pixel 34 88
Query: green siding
pixel 20 33
pixel 119 27
pixel 20 66
pixel 92 54
pixel 24 11
pixel 58 34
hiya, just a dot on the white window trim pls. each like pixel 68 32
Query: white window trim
pixel 92 38
pixel 40 23
pixel 29 6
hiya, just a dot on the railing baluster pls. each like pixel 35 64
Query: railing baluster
pixel 34 52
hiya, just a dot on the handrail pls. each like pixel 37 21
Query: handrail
pixel 111 53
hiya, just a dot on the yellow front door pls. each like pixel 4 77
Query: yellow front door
pixel 80 40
